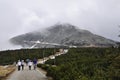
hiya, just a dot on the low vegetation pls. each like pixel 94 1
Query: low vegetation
pixel 11 56
pixel 85 64
pixel 5 71
pixel 77 64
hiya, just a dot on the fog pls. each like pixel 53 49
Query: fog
pixel 17 17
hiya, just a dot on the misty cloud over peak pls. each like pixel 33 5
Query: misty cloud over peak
pixel 21 16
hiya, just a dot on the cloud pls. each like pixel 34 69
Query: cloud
pixel 21 16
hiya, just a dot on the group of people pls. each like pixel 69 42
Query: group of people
pixel 29 63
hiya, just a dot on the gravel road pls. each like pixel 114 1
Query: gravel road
pixel 27 74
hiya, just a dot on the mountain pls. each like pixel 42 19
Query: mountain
pixel 63 34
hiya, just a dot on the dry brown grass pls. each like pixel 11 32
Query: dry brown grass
pixel 6 70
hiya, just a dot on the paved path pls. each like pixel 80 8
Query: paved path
pixel 27 75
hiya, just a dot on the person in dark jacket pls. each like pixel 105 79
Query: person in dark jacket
pixel 22 64
pixel 35 63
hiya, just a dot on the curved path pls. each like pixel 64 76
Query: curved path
pixel 27 74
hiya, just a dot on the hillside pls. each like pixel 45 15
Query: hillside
pixel 64 34
pixel 77 64
pixel 85 64
pixel 11 56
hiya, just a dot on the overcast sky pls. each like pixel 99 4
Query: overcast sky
pixel 17 17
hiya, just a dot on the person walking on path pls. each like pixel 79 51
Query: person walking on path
pixel 22 64
pixel 30 64
pixel 35 63
pixel 19 65
pixel 27 60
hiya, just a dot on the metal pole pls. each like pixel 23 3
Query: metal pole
pixel 44 52
pixel 54 55
pixel 43 55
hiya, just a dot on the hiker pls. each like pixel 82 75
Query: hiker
pixel 35 63
pixel 22 64
pixel 27 60
pixel 19 65
pixel 30 64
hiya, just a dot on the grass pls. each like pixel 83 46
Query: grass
pixel 5 71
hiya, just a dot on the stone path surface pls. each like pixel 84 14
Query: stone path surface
pixel 27 74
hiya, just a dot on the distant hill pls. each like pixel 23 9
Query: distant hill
pixel 64 34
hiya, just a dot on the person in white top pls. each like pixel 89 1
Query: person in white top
pixel 19 65
pixel 30 64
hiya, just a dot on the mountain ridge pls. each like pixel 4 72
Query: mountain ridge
pixel 64 34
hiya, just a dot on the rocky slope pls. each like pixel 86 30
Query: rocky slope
pixel 64 34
